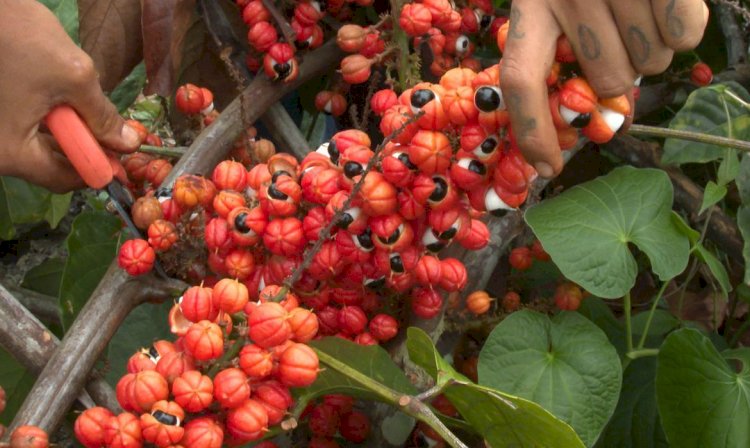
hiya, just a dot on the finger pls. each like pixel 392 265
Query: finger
pixel 681 22
pixel 101 116
pixel 649 55
pixel 601 53
pixel 529 53
pixel 40 164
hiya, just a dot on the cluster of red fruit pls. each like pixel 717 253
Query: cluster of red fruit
pixel 335 414
pixel 197 393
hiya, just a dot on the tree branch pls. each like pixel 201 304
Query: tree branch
pixel 68 368
pixel 733 35
pixel 32 344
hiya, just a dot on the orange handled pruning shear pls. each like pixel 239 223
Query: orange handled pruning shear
pixel 98 169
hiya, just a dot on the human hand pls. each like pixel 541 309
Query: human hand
pixel 42 68
pixel 614 41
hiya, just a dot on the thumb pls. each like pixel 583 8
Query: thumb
pixel 97 111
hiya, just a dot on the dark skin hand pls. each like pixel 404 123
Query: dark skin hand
pixel 41 68
pixel 614 41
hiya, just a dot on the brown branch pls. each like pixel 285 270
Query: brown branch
pixel 215 142
pixel 67 370
pixel 32 344
pixel 289 35
pixel 721 229
pixel 42 306
pixel 276 119
pixel 117 294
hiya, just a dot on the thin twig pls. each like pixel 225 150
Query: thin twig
pixel 173 151
pixel 655 131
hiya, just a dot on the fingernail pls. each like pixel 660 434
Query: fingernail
pixel 130 136
pixel 544 169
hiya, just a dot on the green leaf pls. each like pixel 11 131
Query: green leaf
pixel 718 271
pixel 587 229
pixel 66 12
pixel 24 203
pixel 46 277
pixel 715 110
pixel 92 245
pixel 144 325
pixel 702 400
pixel 712 195
pixel 126 92
pixel 729 167
pixel 16 381
pixel 373 361
pixel 635 422
pixel 502 419
pixel 566 364
pixel 397 428
pixel 597 311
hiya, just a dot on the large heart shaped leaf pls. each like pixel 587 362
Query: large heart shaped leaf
pixel 587 229
pixel 703 400
pixel 502 419
pixel 566 364
pixel 722 110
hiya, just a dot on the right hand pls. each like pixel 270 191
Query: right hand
pixel 614 41
pixel 42 67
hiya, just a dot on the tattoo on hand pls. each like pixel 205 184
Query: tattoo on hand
pixel 639 44
pixel 515 19
pixel 674 23
pixel 589 43
pixel 525 124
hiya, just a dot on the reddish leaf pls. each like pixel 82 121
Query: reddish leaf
pixel 110 31
pixel 165 24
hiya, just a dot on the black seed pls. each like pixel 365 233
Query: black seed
pixel 163 193
pixel 275 193
pixel 581 121
pixel 440 191
pixel 153 353
pixel 463 42
pixel 352 169
pixel 499 212
pixel 239 223
pixel 303 44
pixel 404 158
pixel 487 99
pixel 420 97
pixel 164 418
pixel 283 69
pixel 485 21
pixel 345 220
pixel 278 174
pixel 475 166
pixel 376 284
pixel 393 238
pixel 435 247
pixel 333 152
pixel 448 234
pixel 489 145
pixel 365 239
pixel 397 264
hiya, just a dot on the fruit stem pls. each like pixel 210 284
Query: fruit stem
pixel 402 40
pixel 642 353
pixel 642 341
pixel 227 357
pixel 628 325
pixel 655 131
pixel 174 151
pixel 408 404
